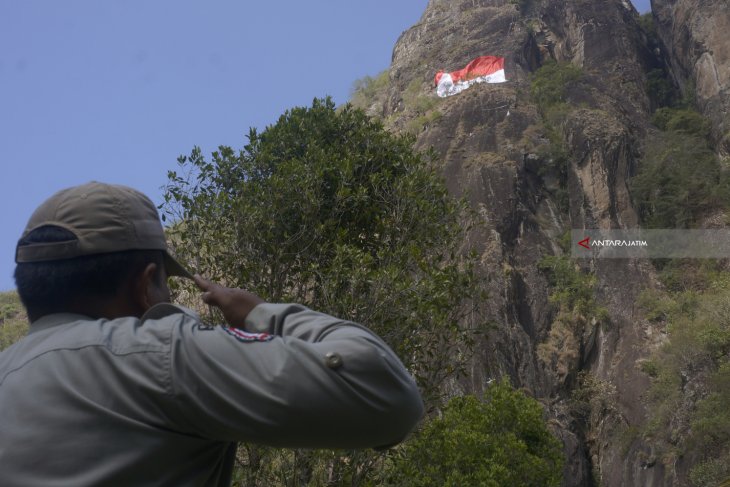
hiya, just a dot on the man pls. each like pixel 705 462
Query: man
pixel 115 386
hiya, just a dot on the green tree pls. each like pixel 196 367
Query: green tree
pixel 13 321
pixel 683 121
pixel 498 441
pixel 659 89
pixel 328 209
pixel 679 181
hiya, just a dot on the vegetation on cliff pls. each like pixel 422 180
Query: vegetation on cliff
pixel 681 183
pixel 680 180
pixel 550 86
pixel 691 380
pixel 420 106
pixel 572 290
pixel 659 87
pixel 13 321
pixel 549 89
pixel 368 93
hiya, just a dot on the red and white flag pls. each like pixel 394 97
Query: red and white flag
pixel 484 69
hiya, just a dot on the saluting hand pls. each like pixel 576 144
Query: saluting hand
pixel 235 304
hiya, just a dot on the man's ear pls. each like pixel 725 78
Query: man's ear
pixel 142 285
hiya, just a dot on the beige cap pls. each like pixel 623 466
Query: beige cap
pixel 105 218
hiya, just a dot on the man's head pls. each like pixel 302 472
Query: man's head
pixel 98 249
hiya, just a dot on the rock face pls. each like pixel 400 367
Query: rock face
pixel 493 140
pixel 695 35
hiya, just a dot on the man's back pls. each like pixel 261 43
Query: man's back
pixel 83 400
pixel 162 401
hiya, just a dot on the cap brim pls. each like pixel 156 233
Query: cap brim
pixel 173 267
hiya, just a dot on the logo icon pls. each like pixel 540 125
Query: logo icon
pixel 585 243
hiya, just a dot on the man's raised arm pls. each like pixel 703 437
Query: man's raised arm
pixel 285 375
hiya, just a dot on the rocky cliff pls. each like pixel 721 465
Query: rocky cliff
pixel 535 169
pixel 694 34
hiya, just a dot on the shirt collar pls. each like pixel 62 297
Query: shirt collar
pixel 55 319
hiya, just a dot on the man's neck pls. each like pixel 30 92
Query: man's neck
pixel 94 307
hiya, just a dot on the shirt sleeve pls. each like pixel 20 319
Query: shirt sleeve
pixel 295 378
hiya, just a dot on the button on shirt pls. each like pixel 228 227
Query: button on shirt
pixel 162 400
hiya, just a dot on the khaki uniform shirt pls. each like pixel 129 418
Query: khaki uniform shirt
pixel 161 400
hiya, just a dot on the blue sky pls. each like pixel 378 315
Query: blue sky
pixel 114 91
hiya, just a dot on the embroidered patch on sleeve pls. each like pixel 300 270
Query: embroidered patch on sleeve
pixel 244 336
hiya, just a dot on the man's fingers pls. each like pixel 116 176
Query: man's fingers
pixel 207 286
pixel 201 282
pixel 211 290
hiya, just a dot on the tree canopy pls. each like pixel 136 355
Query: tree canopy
pixel 328 209
pixel 500 440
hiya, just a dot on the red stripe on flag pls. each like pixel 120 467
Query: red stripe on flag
pixel 481 66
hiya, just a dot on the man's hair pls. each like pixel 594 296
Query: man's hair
pixel 50 286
